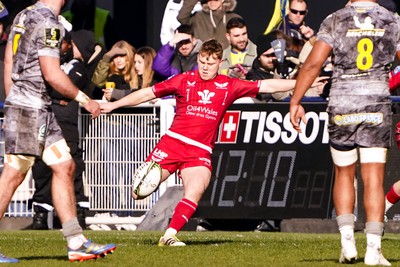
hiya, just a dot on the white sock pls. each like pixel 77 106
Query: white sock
pixel 374 240
pixel 347 233
pixel 388 205
pixel 170 232
pixel 75 242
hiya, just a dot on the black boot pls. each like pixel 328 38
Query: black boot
pixel 39 219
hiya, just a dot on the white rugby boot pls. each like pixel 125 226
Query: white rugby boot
pixel 373 256
pixel 171 241
pixel 349 251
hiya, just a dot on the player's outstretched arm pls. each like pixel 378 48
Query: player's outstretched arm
pixel 133 99
pixel 283 85
pixel 276 85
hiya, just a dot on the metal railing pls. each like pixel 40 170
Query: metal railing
pixel 114 146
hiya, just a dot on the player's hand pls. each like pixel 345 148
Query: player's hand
pixel 108 93
pixel 320 81
pixel 234 72
pixel 306 31
pixel 297 114
pixel 93 107
pixel 107 107
pixel 238 71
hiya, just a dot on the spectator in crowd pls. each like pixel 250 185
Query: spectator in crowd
pixel 356 129
pixel 91 66
pixel 241 52
pixel 117 65
pixel 76 50
pixel 169 22
pixel 264 66
pixel 211 21
pixel 142 75
pixel 86 15
pixel 179 55
pixel 32 66
pixel 189 151
pixel 293 23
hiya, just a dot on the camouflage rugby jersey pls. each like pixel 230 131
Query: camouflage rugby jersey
pixel 35 32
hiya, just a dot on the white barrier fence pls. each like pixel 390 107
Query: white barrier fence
pixel 114 146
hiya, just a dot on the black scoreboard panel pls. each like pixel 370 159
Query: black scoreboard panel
pixel 264 169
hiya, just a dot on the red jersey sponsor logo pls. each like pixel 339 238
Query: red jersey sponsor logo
pixel 158 155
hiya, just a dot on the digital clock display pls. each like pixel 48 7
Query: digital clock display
pixel 264 169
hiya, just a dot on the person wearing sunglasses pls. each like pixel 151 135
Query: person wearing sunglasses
pixel 293 23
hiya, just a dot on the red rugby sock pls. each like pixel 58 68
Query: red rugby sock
pixel 182 213
pixel 392 196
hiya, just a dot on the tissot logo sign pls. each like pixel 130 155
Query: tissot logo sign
pixel 271 127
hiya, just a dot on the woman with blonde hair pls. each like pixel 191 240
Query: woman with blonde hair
pixel 143 74
pixel 116 70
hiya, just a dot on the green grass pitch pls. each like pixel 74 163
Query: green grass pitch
pixel 139 248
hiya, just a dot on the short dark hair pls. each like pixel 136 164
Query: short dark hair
pixel 185 28
pixel 210 48
pixel 300 1
pixel 235 22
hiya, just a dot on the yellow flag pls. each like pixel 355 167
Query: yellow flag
pixel 280 11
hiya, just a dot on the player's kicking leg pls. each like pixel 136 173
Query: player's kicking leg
pixel 195 181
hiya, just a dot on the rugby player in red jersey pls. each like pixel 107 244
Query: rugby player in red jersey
pixel 202 98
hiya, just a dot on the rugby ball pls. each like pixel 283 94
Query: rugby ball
pixel 146 180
